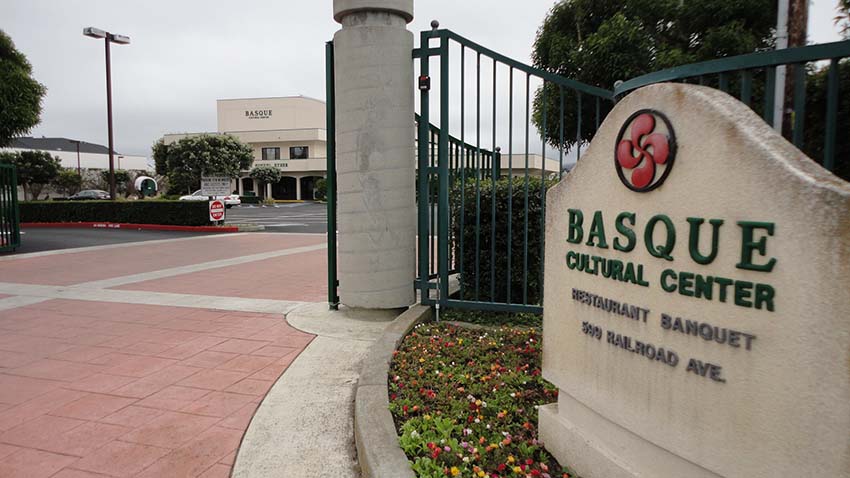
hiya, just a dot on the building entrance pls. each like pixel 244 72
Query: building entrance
pixel 285 189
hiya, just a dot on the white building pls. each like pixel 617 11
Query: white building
pixel 80 155
pixel 290 133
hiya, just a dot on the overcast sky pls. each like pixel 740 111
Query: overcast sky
pixel 186 54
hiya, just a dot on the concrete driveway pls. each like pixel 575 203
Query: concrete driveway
pixel 146 359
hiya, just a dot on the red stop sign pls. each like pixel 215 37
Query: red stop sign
pixel 216 210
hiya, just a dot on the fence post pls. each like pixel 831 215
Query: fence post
pixel 330 182
pixel 374 146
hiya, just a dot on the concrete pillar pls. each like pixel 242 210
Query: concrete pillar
pixel 298 188
pixel 239 186
pixel 269 191
pixel 375 153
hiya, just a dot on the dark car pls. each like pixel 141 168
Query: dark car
pixel 89 194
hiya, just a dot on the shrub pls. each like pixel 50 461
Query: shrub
pixel 320 193
pixel 180 213
pixel 486 262
pixel 250 199
pixel 122 180
pixel 68 182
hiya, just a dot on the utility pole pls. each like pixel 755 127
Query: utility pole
pixel 798 18
pixel 781 43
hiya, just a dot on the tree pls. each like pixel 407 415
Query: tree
pixel 266 174
pixel 814 130
pixel 68 182
pixel 599 42
pixel 842 19
pixel 20 94
pixel 122 180
pixel 35 169
pixel 185 161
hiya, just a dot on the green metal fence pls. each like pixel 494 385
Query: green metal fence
pixel 333 283
pixel 474 183
pixel 752 79
pixel 10 226
pixel 484 210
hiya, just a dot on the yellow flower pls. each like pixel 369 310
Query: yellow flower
pixel 455 471
pixel 460 341
pixel 517 469
pixel 481 474
pixel 511 459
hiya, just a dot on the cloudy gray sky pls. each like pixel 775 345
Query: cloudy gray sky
pixel 186 54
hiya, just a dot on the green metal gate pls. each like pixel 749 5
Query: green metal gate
pixel 480 195
pixel 461 159
pixel 10 226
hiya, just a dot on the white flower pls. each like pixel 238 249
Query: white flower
pixel 414 434
pixel 466 459
pixel 513 395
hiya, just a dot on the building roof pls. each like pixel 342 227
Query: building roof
pixel 274 98
pixel 58 144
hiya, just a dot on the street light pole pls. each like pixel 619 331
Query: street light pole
pixel 121 40
pixel 109 119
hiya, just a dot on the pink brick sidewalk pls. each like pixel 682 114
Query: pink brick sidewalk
pixel 95 389
pixel 73 268
pixel 120 389
pixel 299 277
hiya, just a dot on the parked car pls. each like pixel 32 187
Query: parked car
pixel 229 201
pixel 86 194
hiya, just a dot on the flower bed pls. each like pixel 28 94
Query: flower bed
pixel 464 402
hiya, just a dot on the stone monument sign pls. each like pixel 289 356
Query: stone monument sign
pixel 697 298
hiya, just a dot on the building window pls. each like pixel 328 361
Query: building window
pixel 271 154
pixel 299 152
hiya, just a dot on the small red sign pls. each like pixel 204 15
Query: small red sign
pixel 216 210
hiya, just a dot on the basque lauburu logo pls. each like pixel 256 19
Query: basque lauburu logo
pixel 645 151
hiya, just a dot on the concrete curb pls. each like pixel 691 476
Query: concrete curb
pixel 374 430
pixel 123 225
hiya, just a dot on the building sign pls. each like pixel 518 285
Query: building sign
pixel 696 316
pixel 215 186
pixel 258 114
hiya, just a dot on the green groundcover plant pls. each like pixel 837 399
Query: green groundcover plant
pixel 465 402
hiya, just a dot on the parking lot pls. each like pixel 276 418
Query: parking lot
pixel 306 217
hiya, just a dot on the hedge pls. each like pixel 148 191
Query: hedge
pixel 179 213
pixel 486 260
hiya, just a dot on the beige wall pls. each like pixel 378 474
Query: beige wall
pixel 287 113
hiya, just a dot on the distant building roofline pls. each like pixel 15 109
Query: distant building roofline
pixel 59 144
pixel 274 98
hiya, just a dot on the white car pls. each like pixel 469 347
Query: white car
pixel 229 201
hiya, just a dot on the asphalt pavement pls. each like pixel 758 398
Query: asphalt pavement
pixel 305 217
pixel 46 239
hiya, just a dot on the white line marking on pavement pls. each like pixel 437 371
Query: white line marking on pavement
pixel 19 301
pixel 75 250
pixel 175 271
pixel 39 293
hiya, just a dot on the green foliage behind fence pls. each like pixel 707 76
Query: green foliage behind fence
pixel 522 267
pixel 172 213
